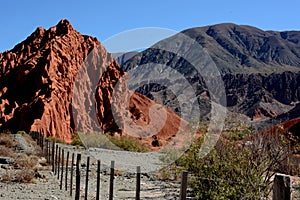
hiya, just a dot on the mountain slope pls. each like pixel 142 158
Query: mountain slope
pixel 259 69
pixel 240 49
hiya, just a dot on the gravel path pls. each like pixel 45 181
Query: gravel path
pixel 125 178
pixel 46 187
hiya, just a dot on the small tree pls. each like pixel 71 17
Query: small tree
pixel 236 169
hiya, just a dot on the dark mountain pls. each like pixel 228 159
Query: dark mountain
pixel 241 49
pixel 259 69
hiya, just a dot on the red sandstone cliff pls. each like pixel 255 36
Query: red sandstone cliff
pixel 37 77
pixel 52 81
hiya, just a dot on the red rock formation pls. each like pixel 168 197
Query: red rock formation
pixel 37 78
pixel 48 84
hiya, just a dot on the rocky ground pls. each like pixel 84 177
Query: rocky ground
pixel 46 185
pixel 125 176
pixel 46 188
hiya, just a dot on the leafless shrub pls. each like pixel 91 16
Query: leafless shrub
pixel 6 152
pixel 26 162
pixel 24 176
pixel 6 140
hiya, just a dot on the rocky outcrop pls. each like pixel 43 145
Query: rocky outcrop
pixel 50 82
pixel 37 78
pixel 261 95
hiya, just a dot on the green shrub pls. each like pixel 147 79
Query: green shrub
pixel 22 133
pixel 56 140
pixel 233 170
pixel 128 144
pixel 107 141
pixel 76 141
pixel 97 140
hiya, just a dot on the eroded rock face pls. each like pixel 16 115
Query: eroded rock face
pixel 260 95
pixel 52 81
pixel 37 78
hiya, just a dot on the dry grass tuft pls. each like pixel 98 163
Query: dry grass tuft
pixel 20 176
pixel 24 161
pixel 24 168
pixel 6 152
pixel 7 140
pixel 24 176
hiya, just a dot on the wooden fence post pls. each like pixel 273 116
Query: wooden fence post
pixel 98 180
pixel 77 190
pixel 62 168
pixel 49 152
pixel 36 138
pixel 71 176
pixel 42 141
pixel 58 162
pixel 112 176
pixel 40 138
pixel 87 177
pixel 52 156
pixel 46 152
pixel 55 162
pixel 282 187
pixel 67 166
pixel 138 183
pixel 183 185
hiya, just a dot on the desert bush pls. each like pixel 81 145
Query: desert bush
pixel 24 176
pixel 56 140
pixel 128 144
pixel 19 176
pixel 6 152
pixel 76 141
pixel 96 139
pixel 111 142
pixel 233 170
pixel 7 140
pixel 26 162
pixel 7 177
pixel 6 144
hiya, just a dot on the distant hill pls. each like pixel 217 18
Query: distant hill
pixel 240 49
pixel 260 69
pixel 122 57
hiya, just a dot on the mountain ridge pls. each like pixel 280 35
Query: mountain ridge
pixel 247 46
pixel 260 69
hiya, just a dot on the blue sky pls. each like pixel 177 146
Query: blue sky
pixel 103 19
